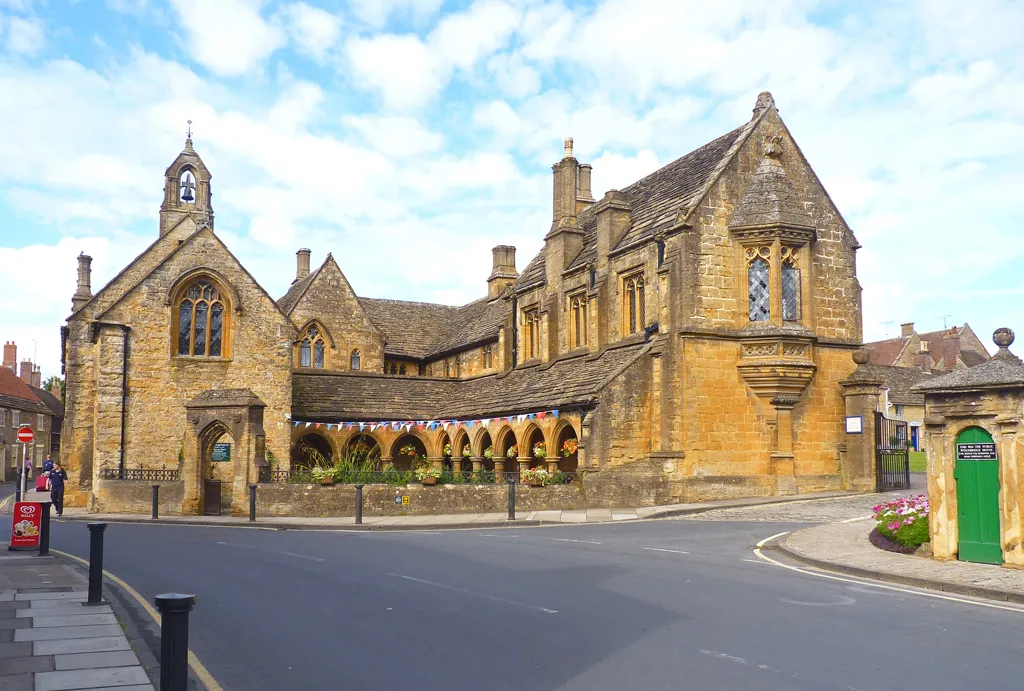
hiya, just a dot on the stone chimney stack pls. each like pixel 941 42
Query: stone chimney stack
pixel 613 218
pixel 302 264
pixel 11 356
pixel 56 391
pixel 584 197
pixel 906 330
pixel 26 371
pixel 503 270
pixel 36 377
pixel 565 239
pixel 84 292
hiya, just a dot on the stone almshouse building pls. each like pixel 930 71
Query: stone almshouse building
pixel 691 330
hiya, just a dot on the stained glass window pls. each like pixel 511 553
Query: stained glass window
pixel 790 292
pixel 757 277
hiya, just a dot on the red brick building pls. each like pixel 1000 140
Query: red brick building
pixel 23 403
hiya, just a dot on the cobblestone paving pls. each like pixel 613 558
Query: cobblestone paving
pixel 812 511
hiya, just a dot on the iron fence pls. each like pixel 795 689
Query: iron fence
pixel 146 474
pixel 407 477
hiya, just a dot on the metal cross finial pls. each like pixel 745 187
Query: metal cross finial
pixel 189 129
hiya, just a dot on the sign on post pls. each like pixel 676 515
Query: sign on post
pixel 26 525
pixel 221 452
pixel 25 435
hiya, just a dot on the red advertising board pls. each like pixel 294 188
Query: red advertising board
pixel 26 524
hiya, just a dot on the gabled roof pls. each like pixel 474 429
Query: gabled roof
pixel 1004 369
pixel 410 328
pixel 657 200
pixel 15 393
pixel 942 352
pixel 365 396
pixel 50 401
pixel 298 288
pixel 770 199
pixel 899 380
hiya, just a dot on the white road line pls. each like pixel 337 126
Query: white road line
pixel 872 584
pixel 582 542
pixel 659 549
pixel 486 596
pixel 271 551
pixel 495 535
pixel 858 518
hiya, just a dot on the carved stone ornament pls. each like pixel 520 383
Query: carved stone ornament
pixel 784 401
pixel 760 349
pixel 773 146
pixel 1003 337
pixel 794 349
pixel 236 417
pixel 194 418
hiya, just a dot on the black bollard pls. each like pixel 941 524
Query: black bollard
pixel 174 609
pixel 512 498
pixel 252 503
pixel 359 504
pixel 96 563
pixel 44 529
pixel 156 502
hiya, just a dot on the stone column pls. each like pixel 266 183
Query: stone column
pixel 478 463
pixel 552 464
pixel 385 461
pixel 499 468
pixel 524 464
pixel 456 465
pixel 436 462
pixel 782 458
pixel 861 392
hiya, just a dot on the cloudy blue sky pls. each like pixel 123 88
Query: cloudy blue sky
pixel 409 136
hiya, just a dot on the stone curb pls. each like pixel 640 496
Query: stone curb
pixel 914 581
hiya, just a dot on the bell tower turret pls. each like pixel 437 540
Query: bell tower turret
pixel 186 190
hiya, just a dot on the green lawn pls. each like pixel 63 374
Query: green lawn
pixel 918 464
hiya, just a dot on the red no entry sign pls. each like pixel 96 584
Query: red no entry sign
pixel 25 435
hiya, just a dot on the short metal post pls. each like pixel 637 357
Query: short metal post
pixel 96 563
pixel 156 502
pixel 174 609
pixel 512 498
pixel 44 529
pixel 252 503
pixel 359 504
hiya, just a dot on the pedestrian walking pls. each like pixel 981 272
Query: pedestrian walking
pixel 56 484
pixel 47 464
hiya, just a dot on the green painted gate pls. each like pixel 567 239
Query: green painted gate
pixel 977 496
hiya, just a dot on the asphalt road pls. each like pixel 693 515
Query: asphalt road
pixel 653 605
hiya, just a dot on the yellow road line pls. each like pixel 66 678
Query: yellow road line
pixel 193 662
pixel 875 584
pixel 3 504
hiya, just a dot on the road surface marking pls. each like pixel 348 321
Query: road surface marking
pixel 873 584
pixel 495 598
pixel 660 549
pixel 858 518
pixel 197 667
pixel 3 504
pixel 738 660
pixel 496 535
pixel 270 551
pixel 583 542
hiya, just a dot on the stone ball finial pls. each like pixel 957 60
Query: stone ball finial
pixel 1003 337
pixel 567 144
pixel 862 356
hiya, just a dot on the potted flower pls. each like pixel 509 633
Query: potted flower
pixel 448 449
pixel 427 473
pixel 540 450
pixel 536 477
pixel 569 447
pixel 407 450
pixel 489 452
pixel 513 451
pixel 466 451
pixel 323 475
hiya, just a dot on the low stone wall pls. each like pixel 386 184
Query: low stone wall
pixel 379 500
pixel 136 496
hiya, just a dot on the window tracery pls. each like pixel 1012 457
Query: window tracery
pixel 200 320
pixel 312 348
pixel 578 322
pixel 790 284
pixel 633 289
pixel 354 360
pixel 758 283
pixel 531 323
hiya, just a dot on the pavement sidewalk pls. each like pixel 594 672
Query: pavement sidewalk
pixel 462 520
pixel 844 548
pixel 49 641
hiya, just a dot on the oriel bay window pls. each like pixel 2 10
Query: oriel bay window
pixel 759 283
pixel 774 283
pixel 790 284
pixel 201 316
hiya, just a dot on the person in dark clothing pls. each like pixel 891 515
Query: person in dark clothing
pixel 47 464
pixel 56 482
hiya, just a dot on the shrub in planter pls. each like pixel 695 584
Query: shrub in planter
pixel 428 474
pixel 536 476
pixel 904 520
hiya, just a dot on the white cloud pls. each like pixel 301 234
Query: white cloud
pixel 23 36
pixel 229 37
pixel 398 137
pixel 613 171
pixel 313 30
pixel 296 106
pixel 377 12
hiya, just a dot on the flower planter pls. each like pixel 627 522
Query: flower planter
pixel 327 481
pixel 533 482
pixel 429 481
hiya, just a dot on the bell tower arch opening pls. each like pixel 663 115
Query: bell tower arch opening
pixel 186 190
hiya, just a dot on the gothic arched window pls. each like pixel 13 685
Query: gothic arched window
pixel 200 320
pixel 758 282
pixel 636 318
pixel 790 285
pixel 578 322
pixel 354 361
pixel 401 370
pixel 531 321
pixel 312 348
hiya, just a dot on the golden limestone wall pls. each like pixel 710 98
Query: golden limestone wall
pixel 331 301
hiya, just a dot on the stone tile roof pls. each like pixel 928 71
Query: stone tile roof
pixel 50 401
pixel 288 301
pixel 420 330
pixel 900 381
pixel 770 199
pixel 1004 369
pixel 942 351
pixel 15 393
pixel 886 352
pixel 656 200
pixel 366 396
pixel 225 398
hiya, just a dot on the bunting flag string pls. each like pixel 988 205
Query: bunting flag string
pixel 408 425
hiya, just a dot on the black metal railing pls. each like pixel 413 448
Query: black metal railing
pixel 892 457
pixel 147 474
pixel 396 476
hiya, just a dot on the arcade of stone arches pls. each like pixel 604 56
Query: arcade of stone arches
pixel 502 447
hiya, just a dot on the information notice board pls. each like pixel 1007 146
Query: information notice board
pixel 976 452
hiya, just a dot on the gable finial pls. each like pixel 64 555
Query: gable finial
pixel 189 135
pixel 567 145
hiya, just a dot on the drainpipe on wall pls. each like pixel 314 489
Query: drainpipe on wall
pixel 124 396
pixel 515 330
